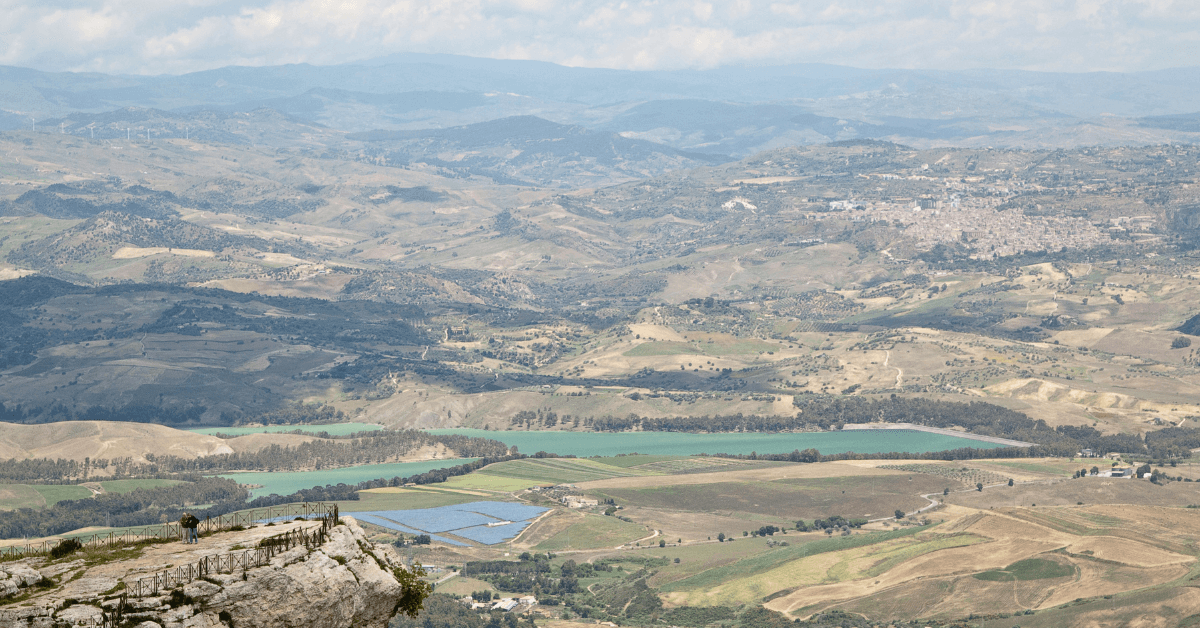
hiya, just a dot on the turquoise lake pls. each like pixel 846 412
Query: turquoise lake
pixel 685 444
pixel 288 482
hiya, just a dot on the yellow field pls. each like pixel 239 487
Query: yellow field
pixel 933 574
pixel 822 569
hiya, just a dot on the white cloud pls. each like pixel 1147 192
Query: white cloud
pixel 142 36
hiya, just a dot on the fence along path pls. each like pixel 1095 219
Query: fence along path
pixel 172 530
pixel 267 549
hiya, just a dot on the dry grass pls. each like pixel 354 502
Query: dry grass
pixel 76 440
pixel 940 583
pixel 783 472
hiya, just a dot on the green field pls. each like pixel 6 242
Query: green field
pixel 57 493
pixel 558 470
pixel 125 486
pixel 763 562
pixel 288 482
pixel 1028 569
pixel 484 482
pixel 664 348
pixel 334 429
pixel 594 532
pixel 14 496
pixel 633 461
pixel 403 499
pixel 688 444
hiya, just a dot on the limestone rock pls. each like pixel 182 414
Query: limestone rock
pixel 347 582
pixel 330 593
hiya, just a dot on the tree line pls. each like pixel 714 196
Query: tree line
pixel 159 505
pixel 143 506
pixel 334 452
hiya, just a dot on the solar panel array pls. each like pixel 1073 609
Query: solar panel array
pixel 492 535
pixel 468 521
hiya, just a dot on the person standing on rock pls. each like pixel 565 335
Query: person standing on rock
pixel 189 523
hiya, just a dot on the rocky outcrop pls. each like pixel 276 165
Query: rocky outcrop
pixel 15 576
pixel 347 582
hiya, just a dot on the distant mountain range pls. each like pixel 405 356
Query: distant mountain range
pixel 728 111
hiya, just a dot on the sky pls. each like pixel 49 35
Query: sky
pixel 178 36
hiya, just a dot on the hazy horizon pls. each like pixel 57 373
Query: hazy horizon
pixel 1040 35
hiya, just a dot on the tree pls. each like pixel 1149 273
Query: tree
pixel 414 590
pixel 721 537
pixel 1010 482
pixel 979 486
pixel 1182 342
pixel 899 514
pixel 1095 470
pixel 945 492
pixel 662 542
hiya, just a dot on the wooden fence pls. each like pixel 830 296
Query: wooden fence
pixel 267 549
pixel 169 531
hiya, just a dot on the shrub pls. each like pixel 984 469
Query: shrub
pixel 179 598
pixel 65 547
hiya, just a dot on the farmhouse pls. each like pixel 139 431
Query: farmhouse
pixel 578 501
pixel 506 604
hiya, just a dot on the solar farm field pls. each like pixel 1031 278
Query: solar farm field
pixel 486 523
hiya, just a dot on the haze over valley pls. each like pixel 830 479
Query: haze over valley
pixel 803 345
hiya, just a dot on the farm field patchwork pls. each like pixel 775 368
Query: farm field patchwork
pixel 559 470
pixel 699 464
pixel 790 499
pixel 593 532
pixel 486 482
pixel 800 548
pixel 961 474
pixel 689 444
pixel 1010 565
